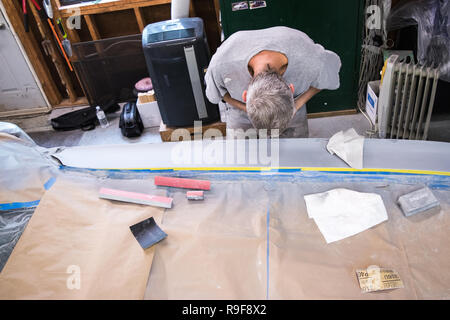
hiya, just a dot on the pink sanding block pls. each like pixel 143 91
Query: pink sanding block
pixel 194 195
pixel 141 198
pixel 182 183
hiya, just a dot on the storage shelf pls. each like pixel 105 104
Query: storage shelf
pixel 117 5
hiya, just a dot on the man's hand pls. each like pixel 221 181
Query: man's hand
pixel 235 103
pixel 305 97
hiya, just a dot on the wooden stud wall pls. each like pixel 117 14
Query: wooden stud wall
pixel 32 48
pixel 98 21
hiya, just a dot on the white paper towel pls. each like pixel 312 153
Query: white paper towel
pixel 348 145
pixel 341 213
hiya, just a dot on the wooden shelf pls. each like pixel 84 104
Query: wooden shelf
pixel 117 5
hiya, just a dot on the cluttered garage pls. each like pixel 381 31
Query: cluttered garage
pixel 224 150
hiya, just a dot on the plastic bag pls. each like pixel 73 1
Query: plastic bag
pixel 12 225
pixel 14 130
pixel 432 20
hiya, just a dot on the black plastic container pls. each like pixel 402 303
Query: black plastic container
pixel 177 56
pixel 109 68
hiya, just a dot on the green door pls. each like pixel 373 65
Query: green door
pixel 336 25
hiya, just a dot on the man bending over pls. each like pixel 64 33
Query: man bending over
pixel 265 78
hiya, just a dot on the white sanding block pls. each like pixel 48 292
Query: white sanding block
pixel 418 201
pixel 134 197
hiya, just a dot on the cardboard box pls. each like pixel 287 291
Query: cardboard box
pixel 373 90
pixel 148 109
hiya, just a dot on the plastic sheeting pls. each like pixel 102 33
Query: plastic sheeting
pixel 24 169
pixel 216 248
pixel 433 20
pixel 252 239
pixel 12 224
pixel 303 266
pixel 25 173
pixel 14 130
pixel 77 246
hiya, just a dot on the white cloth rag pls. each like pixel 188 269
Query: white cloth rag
pixel 348 145
pixel 341 213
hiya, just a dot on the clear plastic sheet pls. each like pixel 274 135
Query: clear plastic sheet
pixel 432 18
pixel 12 224
pixel 304 266
pixel 72 229
pixel 25 173
pixel 250 238
pixel 216 248
pixel 24 167
pixel 14 130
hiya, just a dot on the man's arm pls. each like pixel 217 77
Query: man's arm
pixel 305 97
pixel 235 103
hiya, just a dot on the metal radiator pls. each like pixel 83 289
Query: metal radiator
pixel 406 100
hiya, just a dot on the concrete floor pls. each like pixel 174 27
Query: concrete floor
pixel 41 132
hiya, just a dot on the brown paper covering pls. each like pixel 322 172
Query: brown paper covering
pixel 72 226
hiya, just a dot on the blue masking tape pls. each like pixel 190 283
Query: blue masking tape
pixel 49 183
pixel 18 205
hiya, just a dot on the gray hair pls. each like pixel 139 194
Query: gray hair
pixel 270 102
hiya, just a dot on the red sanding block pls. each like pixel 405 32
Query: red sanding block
pixel 182 183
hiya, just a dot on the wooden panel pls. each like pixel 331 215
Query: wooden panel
pixel 217 9
pixel 192 9
pixel 139 18
pixel 90 21
pixel 72 34
pixel 157 13
pixel 206 10
pixel 116 24
pixel 57 60
pixel 83 32
pixel 113 6
pixel 32 49
pixel 82 101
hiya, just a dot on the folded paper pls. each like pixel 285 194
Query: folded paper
pixel 348 146
pixel 341 213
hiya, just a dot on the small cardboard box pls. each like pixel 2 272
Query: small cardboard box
pixel 373 91
pixel 145 97
pixel 148 109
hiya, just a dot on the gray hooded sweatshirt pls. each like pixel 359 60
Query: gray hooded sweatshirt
pixel 309 65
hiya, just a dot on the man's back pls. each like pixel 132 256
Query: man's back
pixel 228 67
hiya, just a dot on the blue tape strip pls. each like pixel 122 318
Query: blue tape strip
pixel 378 173
pixel 279 174
pixel 28 204
pixel 284 170
pixel 50 182
pixel 18 205
pixel 68 168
